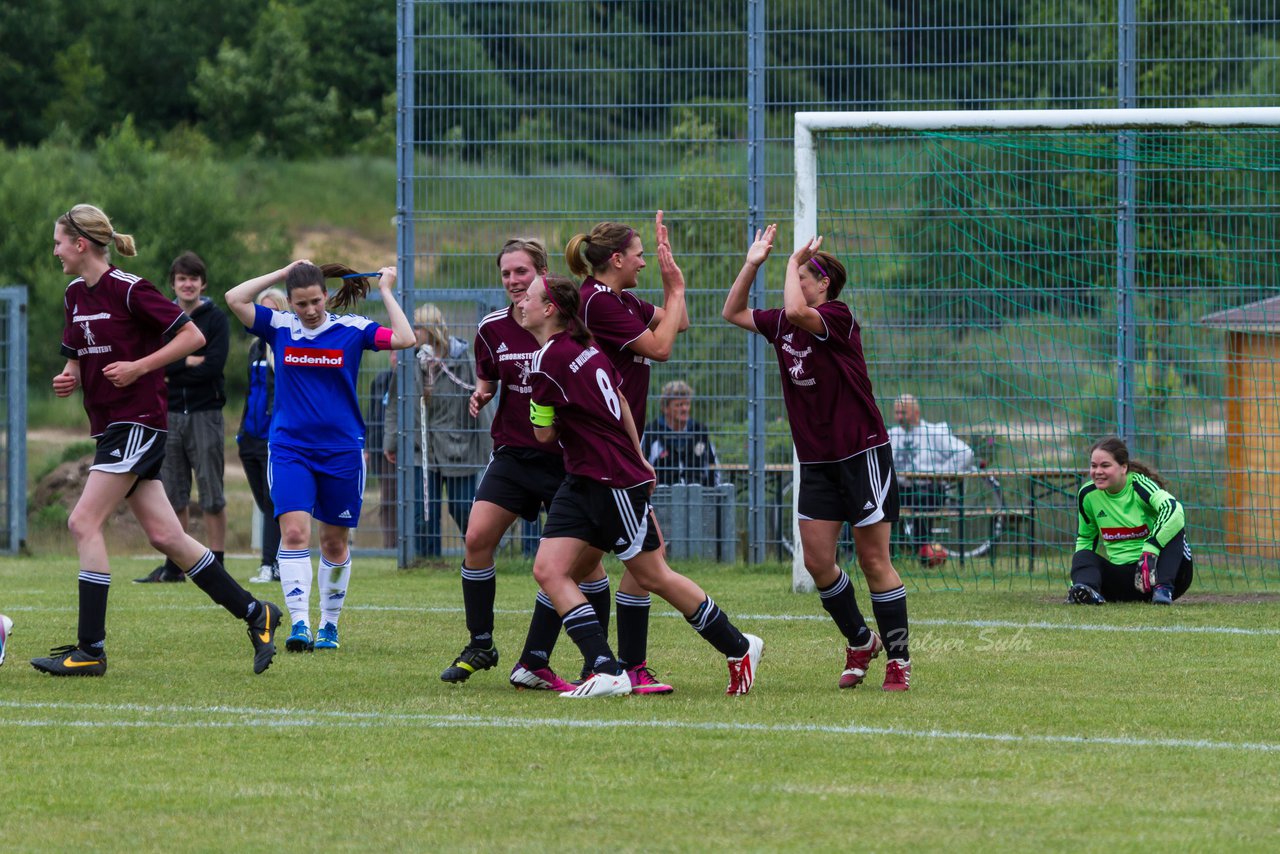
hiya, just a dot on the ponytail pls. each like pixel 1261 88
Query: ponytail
pixel 587 254
pixel 91 223
pixel 348 295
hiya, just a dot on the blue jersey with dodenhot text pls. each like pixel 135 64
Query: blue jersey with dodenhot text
pixel 316 404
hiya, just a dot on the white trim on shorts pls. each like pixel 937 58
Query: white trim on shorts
pixel 873 477
pixel 134 450
pixel 636 530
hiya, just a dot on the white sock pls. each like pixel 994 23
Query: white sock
pixel 334 578
pixel 295 581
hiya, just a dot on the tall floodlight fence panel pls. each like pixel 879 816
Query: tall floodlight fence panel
pixel 1037 288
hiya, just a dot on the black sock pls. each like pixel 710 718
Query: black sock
pixel 633 629
pixel 597 593
pixel 220 557
pixel 544 631
pixel 93 611
pixel 715 628
pixel 211 577
pixel 890 609
pixel 479 587
pixel 171 568
pixel 584 629
pixel 842 605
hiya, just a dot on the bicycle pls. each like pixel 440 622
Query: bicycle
pixel 964 515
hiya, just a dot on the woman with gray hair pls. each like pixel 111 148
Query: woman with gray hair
pixel 451 447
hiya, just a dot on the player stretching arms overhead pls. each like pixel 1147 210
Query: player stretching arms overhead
pixel 603 502
pixel 522 477
pixel 316 466
pixel 116 352
pixel 846 465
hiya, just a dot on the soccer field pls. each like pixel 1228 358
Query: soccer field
pixel 1029 725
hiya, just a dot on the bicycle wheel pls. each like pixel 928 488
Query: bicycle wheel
pixel 971 533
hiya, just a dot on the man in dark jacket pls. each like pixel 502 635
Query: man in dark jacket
pixel 196 397
pixel 678 447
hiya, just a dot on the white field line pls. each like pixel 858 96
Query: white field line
pixel 1176 629
pixel 219 717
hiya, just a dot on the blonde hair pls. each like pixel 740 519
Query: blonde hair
pixel 275 294
pixel 92 224
pixel 429 319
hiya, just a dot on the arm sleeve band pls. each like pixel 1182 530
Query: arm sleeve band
pixel 541 416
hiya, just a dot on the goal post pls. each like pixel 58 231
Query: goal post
pixel 1040 277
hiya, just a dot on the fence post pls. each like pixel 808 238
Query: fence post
pixel 756 525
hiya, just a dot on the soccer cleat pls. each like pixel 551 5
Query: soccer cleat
pixel 262 631
pixel 857 659
pixel 327 637
pixel 299 639
pixel 1162 595
pixel 644 682
pixel 742 671
pixel 897 675
pixel 538 679
pixel 471 659
pixel 1083 594
pixel 601 685
pixel 71 660
pixel 267 573
pixel 160 574
pixel 6 628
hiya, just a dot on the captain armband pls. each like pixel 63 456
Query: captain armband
pixel 541 416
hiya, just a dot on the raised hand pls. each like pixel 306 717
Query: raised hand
pixel 386 278
pixel 760 248
pixel 806 252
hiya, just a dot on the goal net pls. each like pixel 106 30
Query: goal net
pixel 1039 279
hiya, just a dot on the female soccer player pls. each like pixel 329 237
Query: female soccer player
pixel 632 333
pixel 255 428
pixel 604 500
pixel 116 324
pixel 522 477
pixel 846 466
pixel 1126 506
pixel 317 435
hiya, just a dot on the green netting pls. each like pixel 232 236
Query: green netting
pixel 984 270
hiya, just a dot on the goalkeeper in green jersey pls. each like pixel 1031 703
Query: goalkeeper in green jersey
pixel 1126 507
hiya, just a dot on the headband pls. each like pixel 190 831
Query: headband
pixel 95 241
pixel 814 262
pixel 551 298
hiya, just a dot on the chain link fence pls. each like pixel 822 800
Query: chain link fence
pixel 535 118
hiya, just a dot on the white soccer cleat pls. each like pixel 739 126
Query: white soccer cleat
pixel 742 671
pixel 601 685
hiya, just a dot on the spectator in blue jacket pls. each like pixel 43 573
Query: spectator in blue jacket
pixel 255 427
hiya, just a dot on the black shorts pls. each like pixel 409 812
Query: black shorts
pixel 521 480
pixel 861 490
pixel 130 449
pixel 610 519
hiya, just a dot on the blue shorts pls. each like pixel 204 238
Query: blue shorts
pixel 329 485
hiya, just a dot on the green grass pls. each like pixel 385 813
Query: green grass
pixel 1052 728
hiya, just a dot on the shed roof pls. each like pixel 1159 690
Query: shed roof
pixel 1260 316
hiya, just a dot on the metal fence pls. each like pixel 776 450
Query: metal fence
pixel 529 117
pixel 13 418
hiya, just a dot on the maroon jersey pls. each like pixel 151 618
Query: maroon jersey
pixel 825 386
pixel 122 318
pixel 582 385
pixel 615 320
pixel 504 350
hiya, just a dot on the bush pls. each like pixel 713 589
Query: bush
pixel 170 202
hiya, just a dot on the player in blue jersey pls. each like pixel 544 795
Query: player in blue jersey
pixel 316 463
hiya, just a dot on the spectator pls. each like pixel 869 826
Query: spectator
pixel 251 441
pixel 678 447
pixel 928 447
pixel 377 465
pixel 197 436
pixel 457 446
